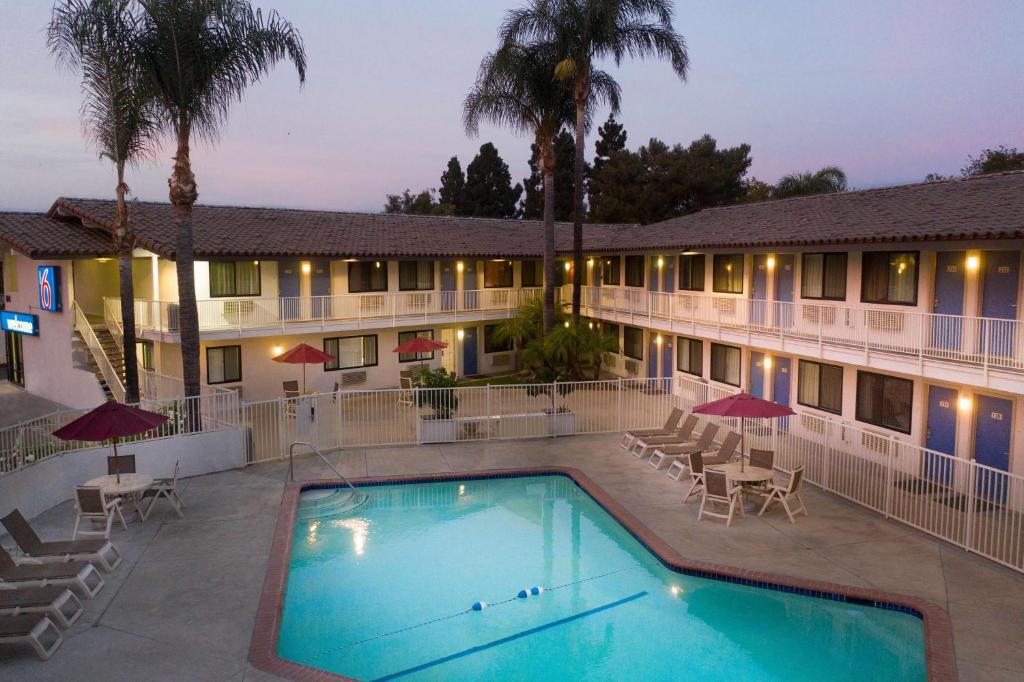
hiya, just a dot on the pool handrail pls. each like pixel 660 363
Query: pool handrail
pixel 291 464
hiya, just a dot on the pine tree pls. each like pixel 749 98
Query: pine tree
pixel 611 138
pixel 533 201
pixel 489 192
pixel 453 187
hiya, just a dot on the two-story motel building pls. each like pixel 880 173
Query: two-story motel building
pixel 894 308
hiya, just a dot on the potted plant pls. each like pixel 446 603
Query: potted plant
pixel 436 391
pixel 561 421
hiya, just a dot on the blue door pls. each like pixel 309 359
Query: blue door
pixel 784 291
pixel 447 284
pixel 781 373
pixel 320 288
pixel 470 298
pixel 1000 282
pixel 757 374
pixel 469 366
pixel 655 277
pixel 666 356
pixel 759 289
pixel 669 275
pixel 992 432
pixel 652 356
pixel 288 287
pixel 941 434
pixel 947 332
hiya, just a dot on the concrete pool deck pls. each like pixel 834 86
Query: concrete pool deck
pixel 183 604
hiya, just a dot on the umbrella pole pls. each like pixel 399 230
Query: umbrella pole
pixel 117 462
pixel 743 439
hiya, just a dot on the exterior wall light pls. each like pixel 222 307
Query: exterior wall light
pixel 767 362
pixel 590 324
pixel 973 263
pixel 567 324
pixel 376 264
pixel 255 262
pixel 661 262
pixel 460 266
pixel 568 265
pixel 277 350
pixel 460 335
pixel 770 262
pixel 590 262
pixel 657 339
pixel 307 268
pixel 965 404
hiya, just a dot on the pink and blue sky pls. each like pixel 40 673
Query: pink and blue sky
pixel 888 90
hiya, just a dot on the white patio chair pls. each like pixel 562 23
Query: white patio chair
pixel 91 506
pixel 787 494
pixel 166 488
pixel 405 396
pixel 717 491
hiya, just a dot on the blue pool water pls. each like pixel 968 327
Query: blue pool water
pixel 386 592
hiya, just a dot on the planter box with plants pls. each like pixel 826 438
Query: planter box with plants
pixel 436 391
pixel 561 422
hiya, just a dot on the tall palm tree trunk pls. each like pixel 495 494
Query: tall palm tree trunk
pixel 124 243
pixel 547 164
pixel 581 96
pixel 183 195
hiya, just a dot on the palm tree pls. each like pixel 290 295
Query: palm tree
pixel 200 56
pixel 514 87
pixel 584 32
pixel 100 39
pixel 828 179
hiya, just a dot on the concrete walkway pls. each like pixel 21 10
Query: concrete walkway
pixel 182 605
pixel 17 405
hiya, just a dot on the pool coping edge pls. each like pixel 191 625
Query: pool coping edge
pixel 940 660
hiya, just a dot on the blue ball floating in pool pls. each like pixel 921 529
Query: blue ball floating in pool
pixel 479 606
pixel 523 594
pixel 536 590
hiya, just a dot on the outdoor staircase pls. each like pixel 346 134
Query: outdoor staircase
pixel 83 359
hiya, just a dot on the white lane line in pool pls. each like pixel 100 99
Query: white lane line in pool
pixel 465 611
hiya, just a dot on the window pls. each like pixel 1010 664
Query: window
pixel 350 352
pixel 409 336
pixel 610 271
pixel 532 273
pixel 889 277
pixel 415 275
pixel 726 364
pixel 691 272
pixel 820 386
pixel 884 401
pixel 633 343
pixel 144 352
pixel 611 330
pixel 690 355
pixel 635 271
pixel 367 276
pixel 223 364
pixel 823 275
pixel 234 278
pixel 728 273
pixel 491 344
pixel 497 273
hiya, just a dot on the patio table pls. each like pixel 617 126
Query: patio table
pixel 745 474
pixel 131 487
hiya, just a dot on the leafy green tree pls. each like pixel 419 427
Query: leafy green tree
pixel 423 203
pixel 453 187
pixel 200 56
pixel 611 138
pixel 828 179
pixel 584 32
pixel 533 200
pixel 994 161
pixel 489 191
pixel 99 38
pixel 755 190
pixel 935 177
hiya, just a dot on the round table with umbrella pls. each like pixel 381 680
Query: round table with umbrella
pixel 744 406
pixel 419 344
pixel 304 354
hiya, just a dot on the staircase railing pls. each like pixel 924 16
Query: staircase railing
pixel 110 375
pixel 112 316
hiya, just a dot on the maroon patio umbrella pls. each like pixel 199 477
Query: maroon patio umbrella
pixel 420 344
pixel 304 354
pixel 744 406
pixel 111 421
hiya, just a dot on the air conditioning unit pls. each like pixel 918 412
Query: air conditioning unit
pixel 501 360
pixel 885 321
pixel 815 314
pixel 353 378
pixel 812 424
pixel 875 442
pixel 726 305
pixel 371 305
pixel 236 310
pixel 611 360
pixel 632 368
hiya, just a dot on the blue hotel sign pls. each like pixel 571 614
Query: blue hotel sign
pixel 48 281
pixel 19 323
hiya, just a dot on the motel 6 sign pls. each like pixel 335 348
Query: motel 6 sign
pixel 48 281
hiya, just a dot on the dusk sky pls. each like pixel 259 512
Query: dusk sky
pixel 889 91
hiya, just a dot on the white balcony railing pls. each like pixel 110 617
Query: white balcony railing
pixel 392 309
pixel 981 341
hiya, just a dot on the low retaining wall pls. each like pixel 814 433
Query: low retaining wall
pixel 39 486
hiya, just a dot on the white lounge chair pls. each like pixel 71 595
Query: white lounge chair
pixel 35 629
pixel 165 488
pixel 99 550
pixel 670 454
pixel 644 446
pixel 55 601
pixel 787 495
pixel 717 491
pixel 78 574
pixel 629 437
pixel 92 506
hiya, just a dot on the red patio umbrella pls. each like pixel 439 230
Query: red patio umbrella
pixel 304 354
pixel 420 344
pixel 744 406
pixel 111 421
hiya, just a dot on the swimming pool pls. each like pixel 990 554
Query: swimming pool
pixel 387 592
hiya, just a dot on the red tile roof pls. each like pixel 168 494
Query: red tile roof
pixel 38 236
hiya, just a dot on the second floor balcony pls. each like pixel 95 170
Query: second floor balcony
pixel 232 317
pixel 985 351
